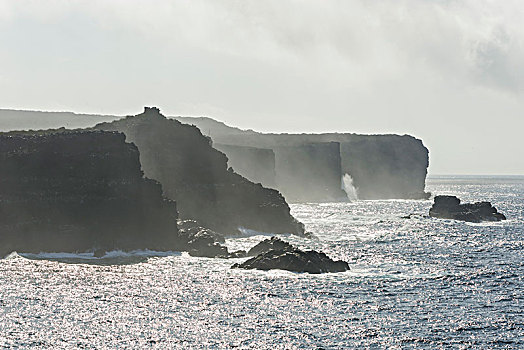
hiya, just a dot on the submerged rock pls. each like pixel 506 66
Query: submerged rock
pixel 277 254
pixel 449 207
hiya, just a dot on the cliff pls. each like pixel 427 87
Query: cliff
pixel 255 164
pixel 386 166
pixel 196 175
pixel 11 120
pixel 309 172
pixel 381 166
pixel 78 191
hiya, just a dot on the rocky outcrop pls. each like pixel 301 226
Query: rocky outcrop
pixel 78 191
pixel 449 207
pixel 201 241
pixel 196 175
pixel 277 254
pixel 266 245
pixel 381 166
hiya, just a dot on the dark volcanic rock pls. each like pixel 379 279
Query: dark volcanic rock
pixel 277 254
pixel 196 175
pixel 77 191
pixel 202 241
pixel 266 245
pixel 449 207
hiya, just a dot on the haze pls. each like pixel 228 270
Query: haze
pixel 448 72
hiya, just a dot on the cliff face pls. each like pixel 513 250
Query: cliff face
pixel 255 164
pixel 382 166
pixel 195 174
pixel 310 172
pixel 76 191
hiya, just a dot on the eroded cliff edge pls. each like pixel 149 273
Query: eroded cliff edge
pixel 78 191
pixel 196 176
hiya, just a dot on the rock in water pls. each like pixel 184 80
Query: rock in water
pixel 449 207
pixel 266 245
pixel 277 254
pixel 201 241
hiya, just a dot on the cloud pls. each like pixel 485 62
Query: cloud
pixel 406 66
pixel 476 41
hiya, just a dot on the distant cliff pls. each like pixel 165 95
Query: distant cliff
pixel 11 120
pixel 381 166
pixel 77 191
pixel 255 164
pixel 309 172
pixel 196 175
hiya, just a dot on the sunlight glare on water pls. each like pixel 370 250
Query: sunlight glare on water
pixel 414 283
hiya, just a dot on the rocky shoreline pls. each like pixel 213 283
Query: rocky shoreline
pixel 147 182
pixel 88 190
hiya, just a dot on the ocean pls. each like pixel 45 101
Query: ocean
pixel 418 283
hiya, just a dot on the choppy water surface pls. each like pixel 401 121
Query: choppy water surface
pixel 414 283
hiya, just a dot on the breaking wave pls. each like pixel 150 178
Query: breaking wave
pixel 349 188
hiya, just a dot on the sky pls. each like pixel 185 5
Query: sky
pixel 449 72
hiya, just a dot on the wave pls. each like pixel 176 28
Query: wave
pixel 246 232
pixel 349 188
pixel 115 257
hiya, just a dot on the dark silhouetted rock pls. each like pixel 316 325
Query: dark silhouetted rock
pixel 208 250
pixel 196 176
pixel 266 245
pixel 202 241
pixel 449 207
pixel 277 254
pixel 78 191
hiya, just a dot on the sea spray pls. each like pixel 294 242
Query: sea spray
pixel 347 186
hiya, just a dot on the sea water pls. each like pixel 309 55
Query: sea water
pixel 414 284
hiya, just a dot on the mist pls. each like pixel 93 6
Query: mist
pixel 447 72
